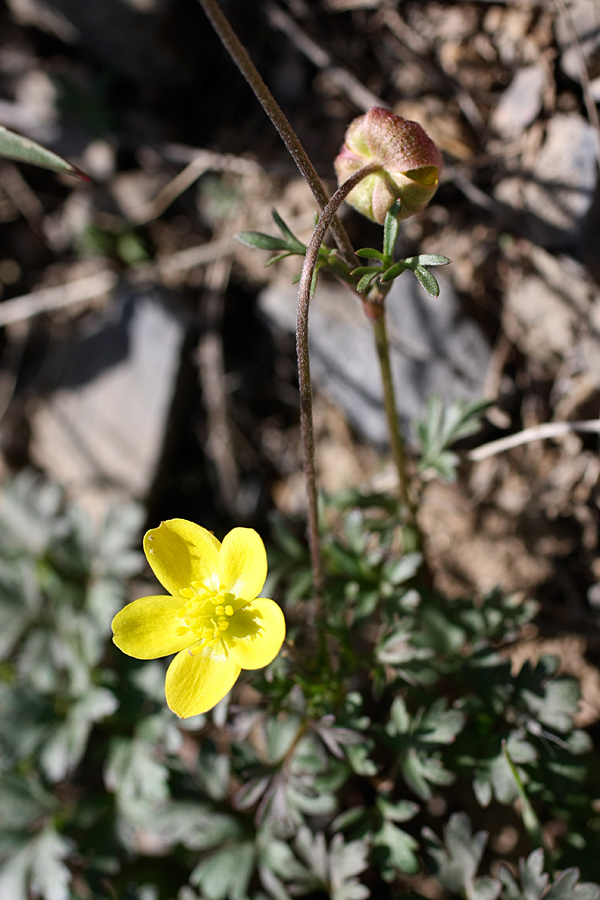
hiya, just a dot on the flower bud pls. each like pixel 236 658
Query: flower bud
pixel 410 164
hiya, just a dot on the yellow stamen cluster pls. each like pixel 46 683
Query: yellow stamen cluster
pixel 207 613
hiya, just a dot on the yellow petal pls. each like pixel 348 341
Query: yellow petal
pixel 197 679
pixel 242 563
pixel 180 552
pixel 263 643
pixel 147 628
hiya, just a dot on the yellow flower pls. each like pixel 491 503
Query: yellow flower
pixel 213 618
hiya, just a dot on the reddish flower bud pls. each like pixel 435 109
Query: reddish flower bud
pixel 410 164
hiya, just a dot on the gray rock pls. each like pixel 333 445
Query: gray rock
pixel 109 393
pixel 552 310
pixel 435 349
pixel 558 191
pixel 521 102
pixel 578 37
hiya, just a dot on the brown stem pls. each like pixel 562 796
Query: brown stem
pixel 306 418
pixel 240 56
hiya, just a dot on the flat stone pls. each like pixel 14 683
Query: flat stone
pixel 578 36
pixel 435 350
pixel 557 193
pixel 547 321
pixel 109 392
pixel 520 104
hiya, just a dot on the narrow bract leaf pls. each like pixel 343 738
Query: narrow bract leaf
pixel 364 283
pixel 278 258
pixel 394 271
pixel 431 259
pixel 22 149
pixel 427 281
pixel 292 240
pixel 390 228
pixel 363 270
pixel 261 241
pixel 370 253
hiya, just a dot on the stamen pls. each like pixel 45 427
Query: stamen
pixel 207 615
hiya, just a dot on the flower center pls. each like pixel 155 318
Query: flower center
pixel 208 615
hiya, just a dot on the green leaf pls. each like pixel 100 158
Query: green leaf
pixel 367 270
pixel 65 747
pixel 213 770
pixel 427 281
pixel 493 776
pixel 334 869
pixel 38 868
pixel 226 874
pixel 552 701
pixel 420 772
pixel 533 882
pixel 346 861
pixel 370 253
pixel 428 259
pixel 23 802
pixel 136 775
pixel 365 283
pixel 443 426
pixel 260 241
pixel 390 229
pixel 395 851
pixel 566 886
pixel 456 860
pixel 278 258
pixel 532 876
pixel 292 240
pixel 22 149
pixel 393 271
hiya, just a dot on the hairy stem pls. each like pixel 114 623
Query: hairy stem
pixel 389 402
pixel 306 418
pixel 240 56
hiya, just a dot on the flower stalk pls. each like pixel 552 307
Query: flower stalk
pixel 304 380
pixel 242 60
pixel 396 439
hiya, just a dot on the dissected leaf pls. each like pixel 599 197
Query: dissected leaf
pixel 458 858
pixel 533 882
pixel 225 874
pixel 38 869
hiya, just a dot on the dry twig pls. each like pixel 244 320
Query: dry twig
pixel 537 433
